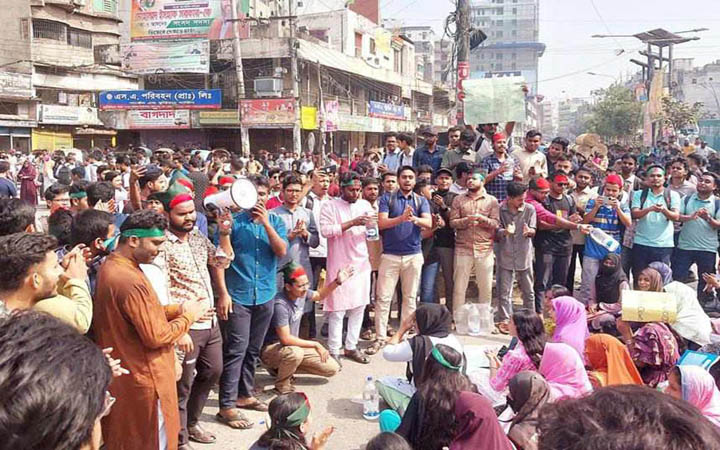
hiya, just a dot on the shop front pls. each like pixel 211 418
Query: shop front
pixel 221 127
pixel 270 122
pixel 51 139
pixel 17 138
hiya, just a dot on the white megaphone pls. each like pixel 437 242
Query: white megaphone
pixel 242 194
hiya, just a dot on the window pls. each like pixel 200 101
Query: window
pixel 358 45
pixel 372 46
pixel 498 56
pixel 514 55
pixel 47 29
pixel 500 11
pixel 514 66
pixel 499 33
pixel 79 38
pixel 514 11
pixel 8 108
pixel 514 33
pixel 499 23
pixel 105 6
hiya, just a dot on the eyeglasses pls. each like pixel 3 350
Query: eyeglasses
pixel 107 406
pixel 563 184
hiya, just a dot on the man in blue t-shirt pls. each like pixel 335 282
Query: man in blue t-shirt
pixel 402 214
pixel 7 187
pixel 608 214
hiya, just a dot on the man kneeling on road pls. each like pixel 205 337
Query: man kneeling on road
pixel 284 353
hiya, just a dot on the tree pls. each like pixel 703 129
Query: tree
pixel 679 114
pixel 616 115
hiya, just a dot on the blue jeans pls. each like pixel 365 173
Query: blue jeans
pixel 427 282
pixel 243 335
pixel 683 259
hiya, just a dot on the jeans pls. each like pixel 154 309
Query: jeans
pixel 243 336
pixel 427 282
pixel 643 255
pixel 447 265
pixel 200 372
pixel 549 270
pixel 590 269
pixel 578 250
pixel 683 259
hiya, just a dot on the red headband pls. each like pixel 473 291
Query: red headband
pixel 542 183
pixel 614 179
pixel 187 183
pixel 210 191
pixel 226 180
pixel 297 273
pixel 180 198
pixel 560 178
pixel 498 136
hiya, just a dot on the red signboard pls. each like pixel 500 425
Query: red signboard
pixel 267 111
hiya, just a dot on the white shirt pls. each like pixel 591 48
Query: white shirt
pixel 406 159
pixel 321 250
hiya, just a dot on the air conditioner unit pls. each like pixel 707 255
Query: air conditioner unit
pixel 268 87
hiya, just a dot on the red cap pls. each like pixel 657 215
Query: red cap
pixel 614 179
pixel 498 136
pixel 542 183
pixel 226 180
pixel 560 178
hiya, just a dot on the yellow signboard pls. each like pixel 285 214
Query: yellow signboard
pixel 308 118
pixel 50 140
pixel 644 306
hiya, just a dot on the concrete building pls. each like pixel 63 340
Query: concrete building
pixel 424 39
pixel 571 115
pixel 444 76
pixel 512 47
pixel 546 121
pixel 698 84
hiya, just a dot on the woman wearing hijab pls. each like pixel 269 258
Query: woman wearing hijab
pixel 570 323
pixel 429 422
pixel 28 188
pixel 691 323
pixel 434 325
pixel 477 425
pixel 610 362
pixel 610 281
pixel 697 387
pixel 564 371
pixel 654 350
pixel 528 392
pixel 530 331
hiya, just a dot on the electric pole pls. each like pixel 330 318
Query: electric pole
pixel 293 42
pixel 462 44
pixel 240 86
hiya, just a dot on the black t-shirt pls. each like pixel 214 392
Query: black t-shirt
pixel 557 242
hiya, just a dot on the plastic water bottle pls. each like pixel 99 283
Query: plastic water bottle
pixel 604 239
pixel 486 320
pixel 473 320
pixel 372 233
pixel 460 316
pixel 371 400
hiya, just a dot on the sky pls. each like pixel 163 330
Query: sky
pixel 566 27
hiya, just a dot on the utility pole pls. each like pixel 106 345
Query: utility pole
pixel 293 43
pixel 240 86
pixel 321 114
pixel 462 45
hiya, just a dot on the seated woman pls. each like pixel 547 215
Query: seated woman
pixel 564 371
pixel 715 369
pixel 570 323
pixel 606 307
pixel 528 392
pixel 289 421
pixel 610 362
pixel 556 290
pixel 429 422
pixel 697 387
pixel 388 441
pixel 692 323
pixel 434 325
pixel 478 427
pixel 654 350
pixel 528 328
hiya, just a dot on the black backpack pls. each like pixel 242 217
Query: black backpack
pixel 644 195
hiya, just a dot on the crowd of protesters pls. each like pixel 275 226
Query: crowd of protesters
pixel 127 302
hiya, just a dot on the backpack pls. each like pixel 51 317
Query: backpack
pixel 62 175
pixel 666 195
pixel 686 202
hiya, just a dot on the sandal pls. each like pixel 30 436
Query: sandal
pixel 236 421
pixel 367 335
pixel 197 434
pixel 257 405
pixel 503 328
pixel 375 347
pixel 357 356
pixel 390 331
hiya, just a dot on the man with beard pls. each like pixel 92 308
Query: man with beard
pixel 95 230
pixel 188 259
pixel 532 161
pixel 342 223
pixel 463 152
pixel 500 167
pixel 431 153
pixel 371 192
pixel 485 143
pixel 130 319
pixel 444 243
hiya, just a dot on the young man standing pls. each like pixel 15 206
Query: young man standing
pixel 518 223
pixel 698 241
pixel 532 161
pixel 445 237
pixel 463 151
pixel 259 240
pixel 475 217
pixel 582 193
pixel 606 213
pixel 389 182
pixel 655 209
pixel 342 222
pixel 391 162
pixel 500 167
pixel 557 148
pixel 453 138
pixel 7 187
pixel 628 164
pixel 402 216
pixel 462 175
pixel 407 156
pixel 371 193
pixel 284 352
pixel 430 153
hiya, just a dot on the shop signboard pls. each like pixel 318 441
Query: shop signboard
pixel 223 117
pixel 188 56
pixel 332 110
pixel 162 99
pixel 309 118
pixel 68 115
pixel 15 85
pixel 158 119
pixel 386 110
pixel 267 111
pixel 175 19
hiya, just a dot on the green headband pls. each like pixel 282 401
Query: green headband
pixel 350 182
pixel 441 359
pixel 81 194
pixel 143 232
pixel 478 175
pixel 299 416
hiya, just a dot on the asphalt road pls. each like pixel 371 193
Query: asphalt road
pixel 331 401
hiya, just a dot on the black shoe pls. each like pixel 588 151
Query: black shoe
pixel 324 330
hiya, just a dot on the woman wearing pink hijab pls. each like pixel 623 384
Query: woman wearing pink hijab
pixel 696 386
pixel 571 323
pixel 564 371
